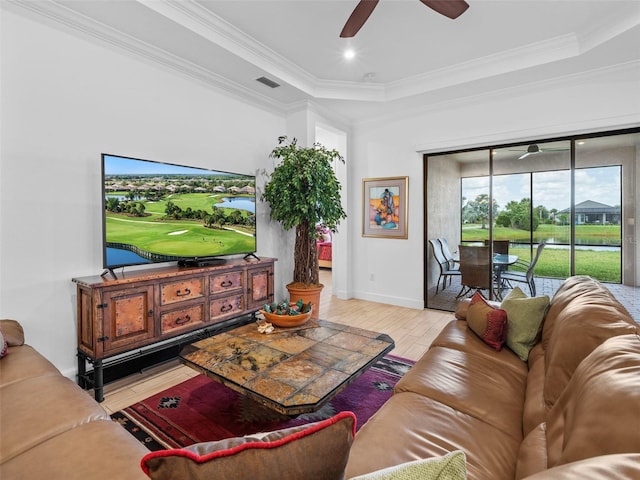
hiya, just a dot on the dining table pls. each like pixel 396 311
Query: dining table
pixel 501 262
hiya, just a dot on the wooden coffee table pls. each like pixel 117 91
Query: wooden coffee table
pixel 292 370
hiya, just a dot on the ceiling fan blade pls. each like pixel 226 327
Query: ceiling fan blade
pixel 358 17
pixel 449 8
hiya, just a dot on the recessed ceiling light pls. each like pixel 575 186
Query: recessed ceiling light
pixel 349 53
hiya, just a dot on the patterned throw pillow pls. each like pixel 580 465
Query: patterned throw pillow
pixel 488 322
pixel 525 316
pixel 4 349
pixel 450 467
pixel 316 450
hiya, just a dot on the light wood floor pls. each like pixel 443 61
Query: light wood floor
pixel 412 330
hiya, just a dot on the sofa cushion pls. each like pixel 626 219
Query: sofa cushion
pixel 98 450
pixel 40 408
pixel 410 426
pixel 25 362
pixel 449 467
pixel 458 335
pixel 317 450
pixel 524 318
pixel 488 322
pixel 469 383
pixel 588 318
pixel 535 411
pixel 605 467
pixel 598 412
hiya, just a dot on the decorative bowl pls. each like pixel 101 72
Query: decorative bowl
pixel 286 320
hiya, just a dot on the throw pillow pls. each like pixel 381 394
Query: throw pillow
pixel 452 466
pixel 4 349
pixel 524 316
pixel 316 450
pixel 486 321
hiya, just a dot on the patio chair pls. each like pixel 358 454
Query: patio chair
pixel 447 253
pixel 475 268
pixel 445 268
pixel 527 277
pixel 500 247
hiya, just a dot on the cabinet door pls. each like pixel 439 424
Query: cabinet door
pixel 127 318
pixel 260 286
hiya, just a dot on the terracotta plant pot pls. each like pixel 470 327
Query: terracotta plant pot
pixel 307 294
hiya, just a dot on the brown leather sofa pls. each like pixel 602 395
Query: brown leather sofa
pixel 50 428
pixel 571 411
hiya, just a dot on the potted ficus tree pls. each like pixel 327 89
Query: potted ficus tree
pixel 303 191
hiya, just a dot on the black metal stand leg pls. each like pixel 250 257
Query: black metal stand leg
pixel 98 381
pixel 82 371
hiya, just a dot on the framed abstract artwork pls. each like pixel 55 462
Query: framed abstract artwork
pixel 384 203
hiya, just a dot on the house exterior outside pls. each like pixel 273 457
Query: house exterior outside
pixel 590 212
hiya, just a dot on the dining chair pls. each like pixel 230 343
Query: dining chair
pixel 527 276
pixel 475 269
pixel 499 246
pixel 447 253
pixel 446 271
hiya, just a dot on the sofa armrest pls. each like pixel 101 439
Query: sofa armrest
pixel 12 332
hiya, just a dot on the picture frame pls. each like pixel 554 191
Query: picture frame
pixel 385 207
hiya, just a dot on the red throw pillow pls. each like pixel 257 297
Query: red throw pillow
pixel 489 323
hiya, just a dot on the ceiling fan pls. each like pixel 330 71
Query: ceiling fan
pixel 534 149
pixel 449 8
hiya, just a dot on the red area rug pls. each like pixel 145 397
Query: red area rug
pixel 201 410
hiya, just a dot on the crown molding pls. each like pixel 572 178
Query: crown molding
pixel 73 22
pixel 632 67
pixel 532 55
pixel 616 24
pixel 198 19
pixel 205 23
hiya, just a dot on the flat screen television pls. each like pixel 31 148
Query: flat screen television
pixel 159 212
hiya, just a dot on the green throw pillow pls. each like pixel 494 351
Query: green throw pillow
pixel 524 317
pixel 450 467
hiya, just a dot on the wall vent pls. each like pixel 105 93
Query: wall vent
pixel 268 82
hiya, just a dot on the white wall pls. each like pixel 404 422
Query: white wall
pixel 600 101
pixel 64 101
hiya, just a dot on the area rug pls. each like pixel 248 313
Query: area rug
pixel 201 410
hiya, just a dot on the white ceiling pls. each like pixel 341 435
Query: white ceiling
pixel 407 56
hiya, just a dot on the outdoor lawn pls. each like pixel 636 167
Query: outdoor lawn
pixel 604 265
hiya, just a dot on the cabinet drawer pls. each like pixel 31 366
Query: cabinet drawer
pixel 225 282
pixel 221 307
pixel 183 318
pixel 182 290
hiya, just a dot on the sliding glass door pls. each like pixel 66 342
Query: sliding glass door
pixel 572 195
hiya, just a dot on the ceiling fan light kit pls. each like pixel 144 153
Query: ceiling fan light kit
pixel 449 8
pixel 534 148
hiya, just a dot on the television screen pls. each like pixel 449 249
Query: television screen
pixel 160 212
